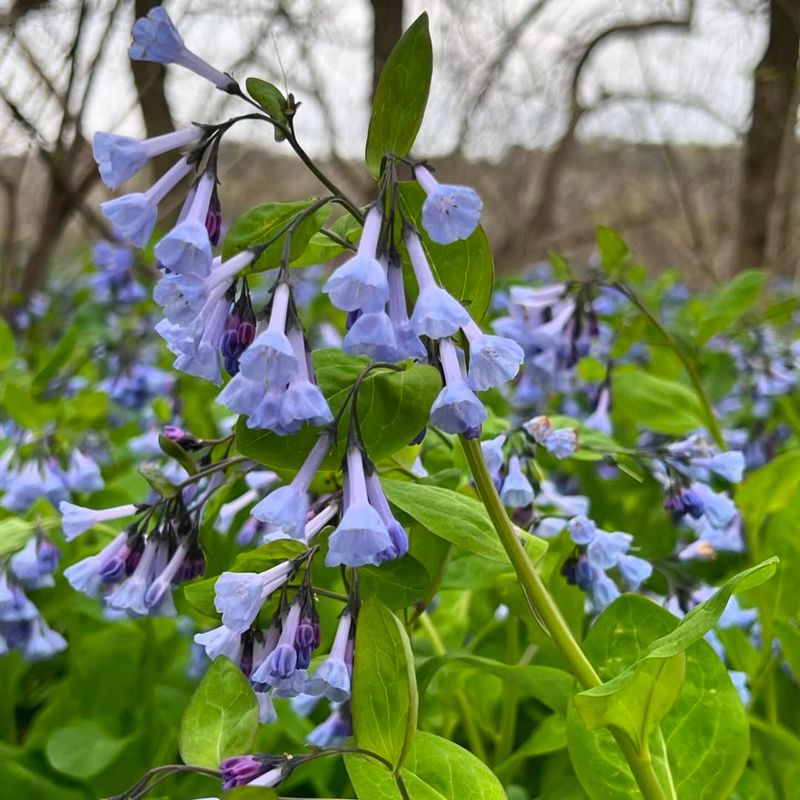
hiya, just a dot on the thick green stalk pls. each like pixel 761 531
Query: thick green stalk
pixel 548 611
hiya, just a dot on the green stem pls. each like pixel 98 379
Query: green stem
pixel 543 606
pixel 688 364
pixel 470 728
pixel 508 716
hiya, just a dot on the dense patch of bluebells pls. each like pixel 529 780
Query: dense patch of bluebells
pixel 270 624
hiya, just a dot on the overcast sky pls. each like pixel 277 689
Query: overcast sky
pixel 707 72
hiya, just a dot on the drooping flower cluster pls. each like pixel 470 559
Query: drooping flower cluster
pixel 22 626
pixel 137 570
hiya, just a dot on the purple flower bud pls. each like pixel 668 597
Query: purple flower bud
pixel 240 770
pixel 246 333
pixel 174 433
pixel 305 635
pixel 214 219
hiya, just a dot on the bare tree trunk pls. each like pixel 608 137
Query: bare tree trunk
pixel 149 79
pixel 387 29
pixel 774 83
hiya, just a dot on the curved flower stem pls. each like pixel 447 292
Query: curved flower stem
pixel 545 608
pixel 688 364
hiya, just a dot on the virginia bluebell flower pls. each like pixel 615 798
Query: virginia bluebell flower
pixel 561 442
pixel 281 663
pixel 267 414
pixel 493 360
pixel 634 570
pixel 372 335
pixel 456 409
pixel 238 596
pixel 604 590
pixel 605 549
pixel 436 312
pixel 121 157
pixel 83 474
pixel 286 508
pixel 581 529
pixel 333 731
pixel 86 575
pixel 241 395
pixel 77 519
pixel 303 402
pixel 133 216
pixel 407 343
pixel 159 589
pixel 449 212
pixel 155 38
pixel 493 453
pixel 516 491
pixel 397 534
pixel 220 641
pixel 271 357
pixel 186 249
pixel 129 594
pixel 361 536
pixel 360 283
pixel 332 678
pixel 728 465
pixel 599 419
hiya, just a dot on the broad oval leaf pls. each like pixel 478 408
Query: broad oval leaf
pixel 401 96
pixel 548 685
pixel 657 403
pixel 269 222
pixel 268 96
pixel 701 747
pixel 465 267
pixel 83 749
pixel 453 516
pixel 221 719
pixel 398 584
pixel 384 697
pixel 436 769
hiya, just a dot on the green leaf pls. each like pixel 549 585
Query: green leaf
pixel 322 248
pixel 221 719
pixel 615 255
pixel 268 96
pixel 392 407
pixel 7 348
pixel 436 769
pixel 657 403
pixel 171 448
pixel 789 637
pixel 702 745
pixel 636 704
pixel 548 685
pixel 401 96
pixel 58 358
pixel 730 303
pixel 465 268
pixel 268 222
pixel 398 584
pixel 384 697
pixel 82 749
pixel 453 516
pixel 14 533
pixel 549 736
pixel 158 481
pixel 769 489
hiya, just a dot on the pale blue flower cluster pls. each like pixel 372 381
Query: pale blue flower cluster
pixel 22 626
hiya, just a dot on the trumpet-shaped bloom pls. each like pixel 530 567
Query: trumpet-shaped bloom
pixel 77 519
pixel 372 335
pixel 605 549
pixel 332 678
pixel 220 641
pixel 516 491
pixel 238 596
pixel 493 360
pixel 133 216
pixel 83 474
pixel 449 212
pixel 361 283
pixel 121 157
pixel 155 38
pixel 303 403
